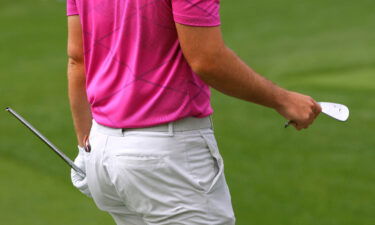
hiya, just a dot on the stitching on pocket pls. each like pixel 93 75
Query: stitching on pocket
pixel 142 161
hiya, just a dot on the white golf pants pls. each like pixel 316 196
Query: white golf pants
pixel 170 174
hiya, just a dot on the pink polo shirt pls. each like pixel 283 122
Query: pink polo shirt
pixel 136 73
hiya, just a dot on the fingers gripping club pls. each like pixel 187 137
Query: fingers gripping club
pixel 337 111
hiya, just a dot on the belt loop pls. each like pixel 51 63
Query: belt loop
pixel 170 129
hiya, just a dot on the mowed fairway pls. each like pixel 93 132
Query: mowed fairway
pixel 321 176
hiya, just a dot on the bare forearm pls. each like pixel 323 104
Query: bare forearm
pixel 229 74
pixel 226 72
pixel 222 69
pixel 79 105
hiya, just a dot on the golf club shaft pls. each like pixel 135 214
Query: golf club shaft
pixel 46 141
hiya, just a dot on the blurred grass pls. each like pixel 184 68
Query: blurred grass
pixel 30 196
pixel 324 175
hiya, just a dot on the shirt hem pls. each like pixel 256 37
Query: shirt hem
pixel 196 21
pixel 72 14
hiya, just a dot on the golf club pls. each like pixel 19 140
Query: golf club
pixel 47 142
pixel 337 111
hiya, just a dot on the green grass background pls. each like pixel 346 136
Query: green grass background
pixel 324 175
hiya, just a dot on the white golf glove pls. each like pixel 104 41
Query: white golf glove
pixel 78 181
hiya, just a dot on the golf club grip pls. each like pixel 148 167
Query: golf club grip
pixel 46 141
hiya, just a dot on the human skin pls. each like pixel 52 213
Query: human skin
pixel 79 104
pixel 209 57
pixel 222 69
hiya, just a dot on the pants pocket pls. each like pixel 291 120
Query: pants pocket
pixel 214 150
pixel 204 163
pixel 137 179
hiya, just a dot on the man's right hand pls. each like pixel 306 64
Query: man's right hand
pixel 222 69
pixel 299 109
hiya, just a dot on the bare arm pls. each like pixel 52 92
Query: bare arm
pixel 79 105
pixel 223 70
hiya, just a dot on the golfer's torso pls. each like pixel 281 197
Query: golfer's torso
pixel 136 73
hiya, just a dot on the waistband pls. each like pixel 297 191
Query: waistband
pixel 186 124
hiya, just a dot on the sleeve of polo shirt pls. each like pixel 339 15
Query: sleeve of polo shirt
pixel 71 8
pixel 196 12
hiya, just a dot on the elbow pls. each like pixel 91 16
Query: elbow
pixel 76 67
pixel 207 63
pixel 75 60
pixel 205 69
pixel 205 66
pixel 201 67
pixel 75 56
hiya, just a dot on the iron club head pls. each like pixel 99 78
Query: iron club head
pixel 337 111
